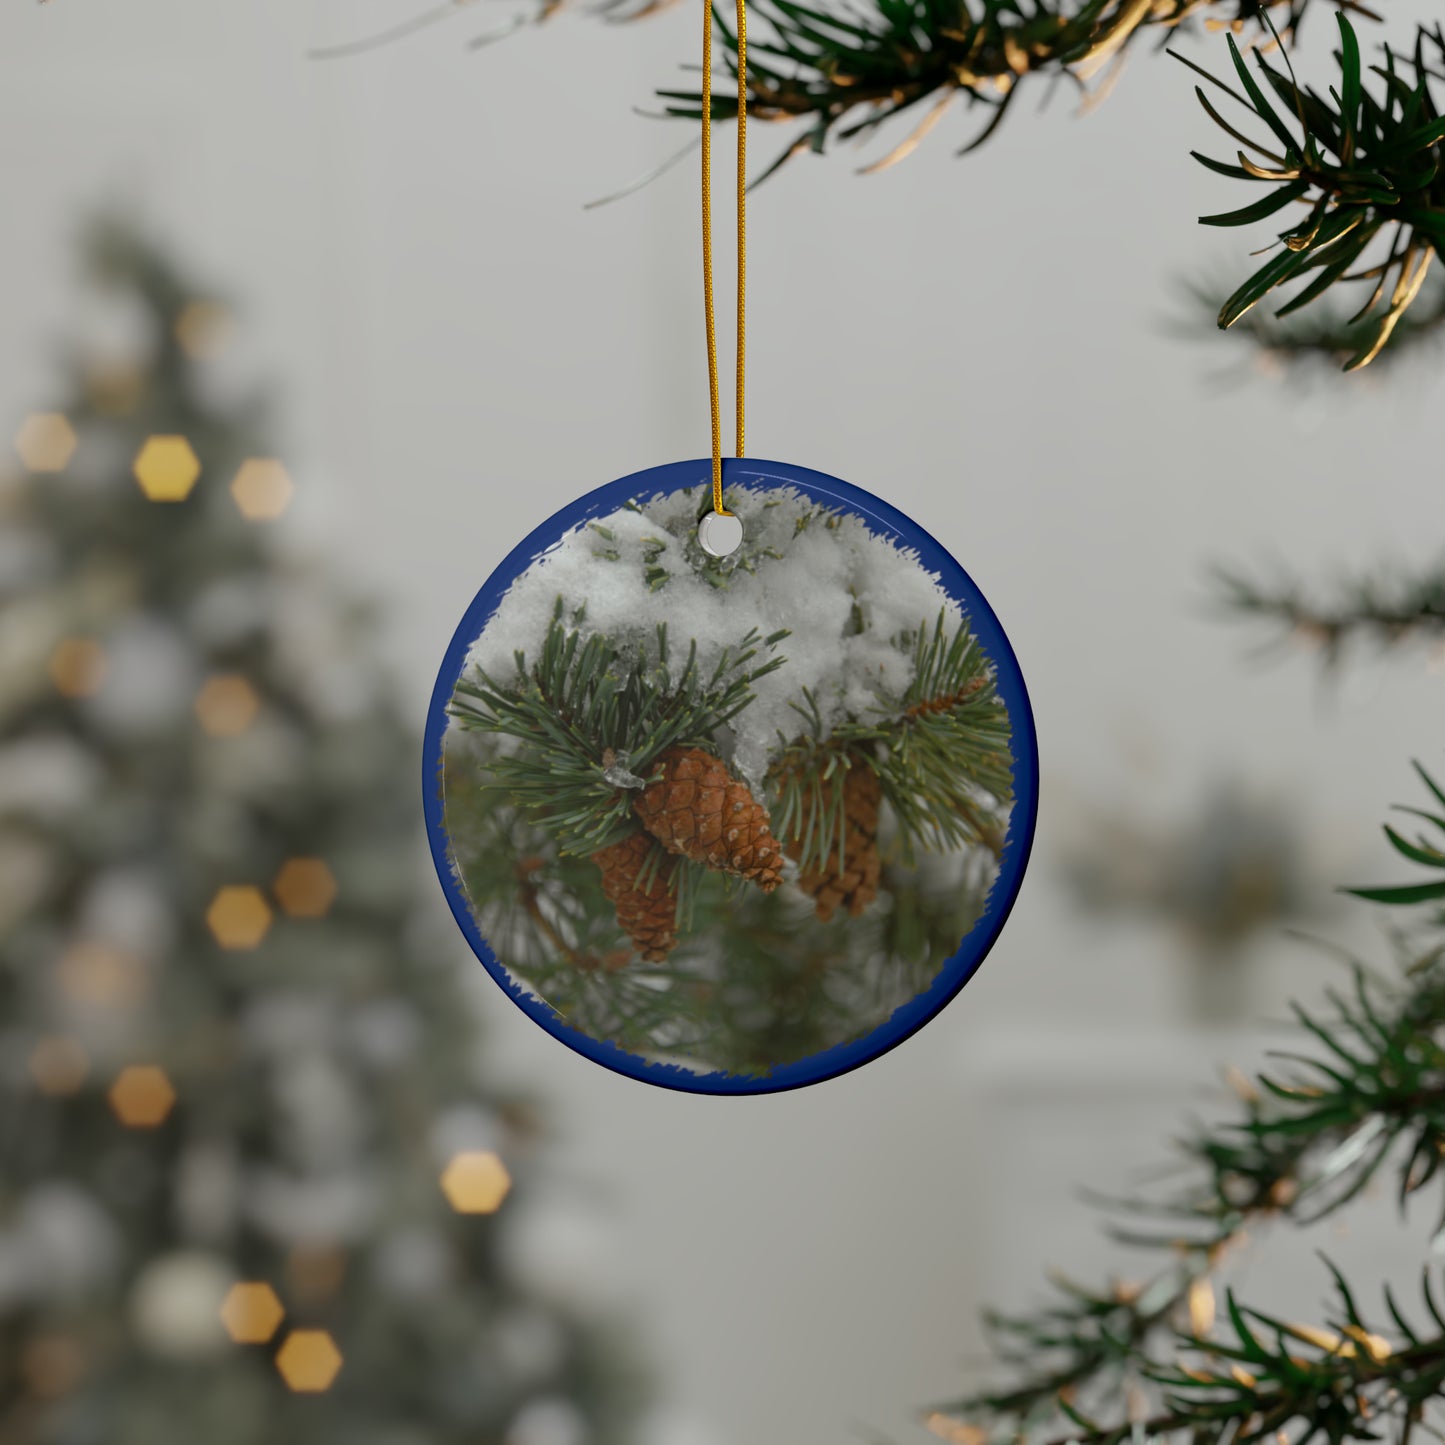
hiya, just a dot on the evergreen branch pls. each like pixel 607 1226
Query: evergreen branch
pixel 1318 1129
pixel 841 73
pixel 1324 337
pixel 1314 1131
pixel 941 755
pixel 1419 850
pixel 770 994
pixel 1255 1386
pixel 1367 166
pixel 592 720
pixel 1388 610
pixel 948 765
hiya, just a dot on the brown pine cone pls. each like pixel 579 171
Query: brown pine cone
pixel 647 915
pixel 854 885
pixel 698 809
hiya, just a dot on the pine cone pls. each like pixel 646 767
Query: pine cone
pixel 698 809
pixel 647 915
pixel 855 885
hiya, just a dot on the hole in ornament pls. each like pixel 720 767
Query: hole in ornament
pixel 720 533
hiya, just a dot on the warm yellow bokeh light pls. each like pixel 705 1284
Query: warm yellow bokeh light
pixel 262 489
pixel 45 441
pixel 202 329
pixel 96 974
pixel 58 1065
pixel 476 1182
pixel 305 888
pixel 309 1360
pixel 166 468
pixel 77 666
pixel 142 1096
pixel 227 705
pixel 239 916
pixel 251 1313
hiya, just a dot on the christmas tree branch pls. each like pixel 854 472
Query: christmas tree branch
pixel 1324 336
pixel 1418 850
pixel 1366 165
pixel 775 991
pixel 1311 1134
pixel 594 720
pixel 941 756
pixel 842 72
pixel 1387 610
pixel 1257 1382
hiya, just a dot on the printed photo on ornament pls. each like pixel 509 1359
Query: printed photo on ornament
pixel 732 818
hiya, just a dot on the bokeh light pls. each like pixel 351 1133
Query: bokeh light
pixel 226 705
pixel 166 468
pixel 142 1096
pixel 45 441
pixel 476 1182
pixel 262 489
pixel 202 329
pixel 59 1065
pixel 308 1361
pixel 99 975
pixel 77 666
pixel 305 888
pixel 251 1312
pixel 239 916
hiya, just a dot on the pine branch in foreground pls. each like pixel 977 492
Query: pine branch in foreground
pixel 1099 1366
pixel 842 72
pixel 1364 160
pixel 1366 165
pixel 1363 1092
pixel 1321 339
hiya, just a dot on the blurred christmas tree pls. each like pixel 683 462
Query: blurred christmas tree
pixel 253 1186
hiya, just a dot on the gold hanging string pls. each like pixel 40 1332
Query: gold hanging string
pixel 707 289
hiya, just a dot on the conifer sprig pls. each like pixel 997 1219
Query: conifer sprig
pixel 1321 338
pixel 1262 1376
pixel 1367 166
pixel 1312 1133
pixel 1418 850
pixel 777 992
pixel 842 71
pixel 592 718
pixel 941 753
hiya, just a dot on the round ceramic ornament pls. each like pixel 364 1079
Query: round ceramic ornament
pixel 730 772
pixel 730 823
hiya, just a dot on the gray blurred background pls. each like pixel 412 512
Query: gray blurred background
pixel 462 349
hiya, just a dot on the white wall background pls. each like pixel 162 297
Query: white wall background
pixel 463 350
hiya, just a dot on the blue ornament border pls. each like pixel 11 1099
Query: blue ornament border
pixel 887 522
